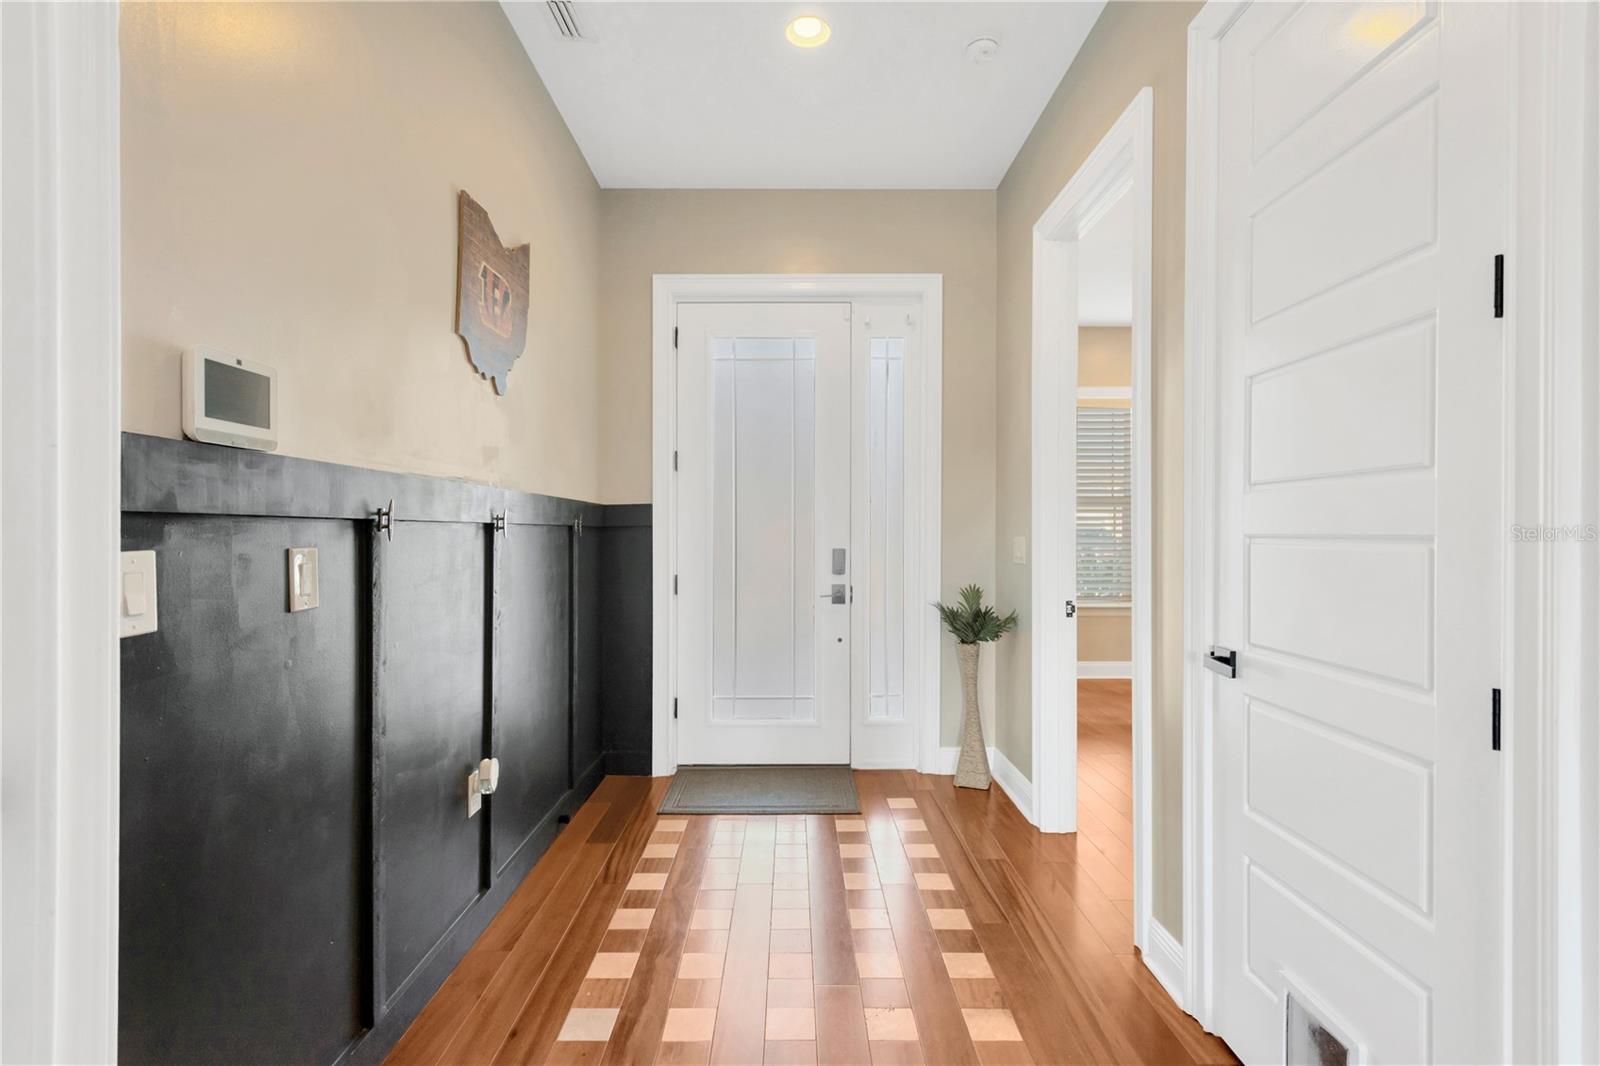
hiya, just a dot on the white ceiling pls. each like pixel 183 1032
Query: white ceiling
pixel 1105 269
pixel 711 95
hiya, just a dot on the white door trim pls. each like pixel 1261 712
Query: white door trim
pixel 60 438
pixel 1121 164
pixel 1551 741
pixel 1553 744
pixel 1200 498
pixel 923 487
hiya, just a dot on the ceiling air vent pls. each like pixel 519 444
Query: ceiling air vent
pixel 566 20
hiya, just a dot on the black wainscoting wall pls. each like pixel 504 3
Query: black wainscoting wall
pixel 299 873
pixel 623 577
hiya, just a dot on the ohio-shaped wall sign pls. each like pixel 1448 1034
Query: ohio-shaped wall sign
pixel 491 296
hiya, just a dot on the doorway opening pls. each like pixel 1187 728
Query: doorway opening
pixel 1092 523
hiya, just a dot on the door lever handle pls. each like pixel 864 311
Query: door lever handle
pixel 1224 661
pixel 837 595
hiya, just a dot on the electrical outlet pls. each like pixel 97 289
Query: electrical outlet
pixel 474 795
pixel 1019 550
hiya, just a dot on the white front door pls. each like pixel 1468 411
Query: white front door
pixel 1358 867
pixel 763 541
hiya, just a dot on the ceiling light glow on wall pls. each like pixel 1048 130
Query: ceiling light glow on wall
pixel 807 31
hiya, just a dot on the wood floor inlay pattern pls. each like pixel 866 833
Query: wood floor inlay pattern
pixel 935 927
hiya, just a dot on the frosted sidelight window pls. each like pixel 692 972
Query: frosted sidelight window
pixel 1105 505
pixel 764 408
pixel 886 528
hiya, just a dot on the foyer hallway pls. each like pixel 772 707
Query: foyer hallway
pixel 936 927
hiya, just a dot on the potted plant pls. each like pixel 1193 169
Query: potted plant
pixel 972 623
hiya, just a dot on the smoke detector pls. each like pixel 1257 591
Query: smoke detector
pixel 982 50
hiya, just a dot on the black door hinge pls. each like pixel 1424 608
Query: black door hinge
pixel 674 584
pixel 674 459
pixel 674 338
pixel 674 708
pixel 1500 286
pixel 1494 721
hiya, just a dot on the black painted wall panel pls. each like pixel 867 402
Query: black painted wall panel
pixel 243 747
pixel 588 623
pixel 258 918
pixel 532 648
pixel 429 706
pixel 623 572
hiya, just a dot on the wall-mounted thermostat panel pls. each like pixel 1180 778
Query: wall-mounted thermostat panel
pixel 136 594
pixel 228 400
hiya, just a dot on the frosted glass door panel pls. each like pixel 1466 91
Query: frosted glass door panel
pixel 886 528
pixel 764 528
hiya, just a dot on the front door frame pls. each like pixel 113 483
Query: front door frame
pixel 923 488
pixel 1553 617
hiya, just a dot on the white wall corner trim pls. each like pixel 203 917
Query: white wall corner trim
pixel 1122 164
pixel 924 484
pixel 1010 780
pixel 60 447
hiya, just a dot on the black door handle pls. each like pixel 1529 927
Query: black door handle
pixel 1224 661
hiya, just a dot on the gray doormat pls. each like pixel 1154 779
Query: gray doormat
pixel 762 790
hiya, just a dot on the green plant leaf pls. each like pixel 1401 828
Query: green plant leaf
pixel 971 622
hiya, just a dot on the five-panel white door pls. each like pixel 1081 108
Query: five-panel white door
pixel 763 565
pixel 1358 867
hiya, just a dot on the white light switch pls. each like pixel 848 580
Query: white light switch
pixel 136 606
pixel 304 592
pixel 1019 550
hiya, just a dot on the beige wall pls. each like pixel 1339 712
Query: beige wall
pixel 289 181
pixel 1131 46
pixel 1105 635
pixel 649 232
pixel 1105 360
pixel 1105 356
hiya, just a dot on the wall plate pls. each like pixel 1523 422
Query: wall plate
pixel 136 594
pixel 305 591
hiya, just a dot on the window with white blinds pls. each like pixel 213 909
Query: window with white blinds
pixel 1105 505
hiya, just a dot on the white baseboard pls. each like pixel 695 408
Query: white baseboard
pixel 1105 670
pixel 1007 776
pixel 1016 785
pixel 1163 957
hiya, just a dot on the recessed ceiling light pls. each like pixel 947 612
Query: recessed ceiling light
pixel 807 31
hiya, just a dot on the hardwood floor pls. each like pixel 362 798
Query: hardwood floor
pixel 936 927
